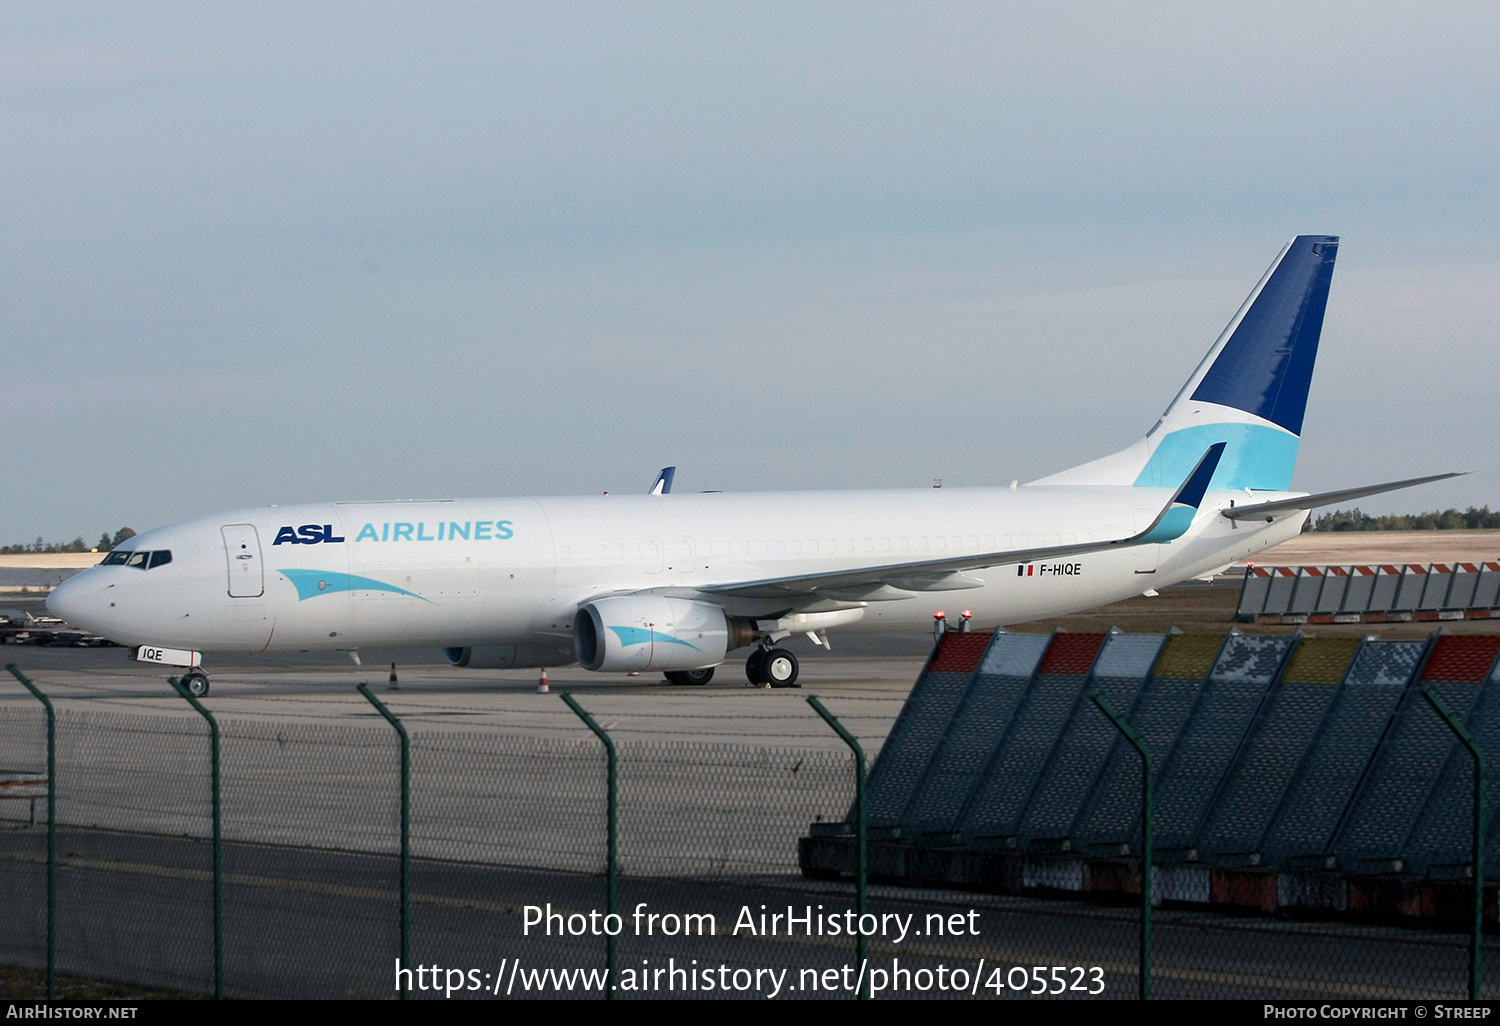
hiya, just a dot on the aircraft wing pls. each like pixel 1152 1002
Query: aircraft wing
pixel 1260 509
pixel 892 580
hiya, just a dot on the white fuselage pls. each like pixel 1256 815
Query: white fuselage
pixel 515 571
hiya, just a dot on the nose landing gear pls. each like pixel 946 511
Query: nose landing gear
pixel 772 667
pixel 196 682
pixel 689 676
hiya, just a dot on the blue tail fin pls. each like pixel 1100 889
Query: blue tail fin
pixel 1249 392
pixel 1265 366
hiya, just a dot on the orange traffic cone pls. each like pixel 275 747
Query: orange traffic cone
pixel 394 686
pixel 541 685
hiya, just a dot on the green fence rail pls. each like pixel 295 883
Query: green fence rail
pixel 612 832
pixel 1147 851
pixel 51 827
pixel 861 840
pixel 1476 935
pixel 405 896
pixel 218 833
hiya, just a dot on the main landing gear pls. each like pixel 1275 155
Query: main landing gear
pixel 773 667
pixel 196 682
pixel 689 676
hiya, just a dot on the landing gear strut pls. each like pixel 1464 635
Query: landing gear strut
pixel 775 667
pixel 698 677
pixel 196 682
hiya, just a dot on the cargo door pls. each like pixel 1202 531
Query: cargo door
pixel 242 549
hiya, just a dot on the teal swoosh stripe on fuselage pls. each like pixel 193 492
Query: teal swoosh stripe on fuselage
pixel 312 583
pixel 640 636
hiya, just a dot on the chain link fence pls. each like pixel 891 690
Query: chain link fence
pixel 719 895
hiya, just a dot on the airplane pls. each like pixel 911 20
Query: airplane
pixel 673 582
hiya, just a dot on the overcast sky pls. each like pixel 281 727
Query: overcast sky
pixel 276 253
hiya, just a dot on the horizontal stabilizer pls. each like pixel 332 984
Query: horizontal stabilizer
pixel 1305 502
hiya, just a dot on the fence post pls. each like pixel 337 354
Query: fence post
pixel 1476 937
pixel 612 870
pixel 393 720
pixel 860 865
pixel 51 830
pixel 213 748
pixel 1146 849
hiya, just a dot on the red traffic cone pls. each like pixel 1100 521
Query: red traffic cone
pixel 541 685
pixel 394 685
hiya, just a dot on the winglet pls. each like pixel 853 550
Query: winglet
pixel 1177 516
pixel 663 483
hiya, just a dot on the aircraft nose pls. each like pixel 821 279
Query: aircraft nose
pixel 74 600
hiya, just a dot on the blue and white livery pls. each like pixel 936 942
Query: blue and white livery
pixel 674 582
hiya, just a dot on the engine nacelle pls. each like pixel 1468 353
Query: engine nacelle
pixel 651 632
pixel 507 657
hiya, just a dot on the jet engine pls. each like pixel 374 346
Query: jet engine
pixel 652 632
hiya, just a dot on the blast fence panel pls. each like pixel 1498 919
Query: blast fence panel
pixel 1387 583
pixel 1283 583
pixel 1355 725
pixel 1111 818
pixel 1253 592
pixel 1461 591
pixel 995 807
pixel 1413 584
pixel 1309 585
pixel 1277 745
pixel 1359 590
pixel 1073 772
pixel 1191 771
pixel 1331 597
pixel 1439 583
pixel 981 723
pixel 1402 780
pixel 1487 586
pixel 920 727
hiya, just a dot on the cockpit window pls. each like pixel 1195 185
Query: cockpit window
pixel 143 560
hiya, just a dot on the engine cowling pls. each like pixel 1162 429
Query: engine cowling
pixel 651 632
pixel 507 657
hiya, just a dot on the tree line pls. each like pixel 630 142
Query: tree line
pixel 105 543
pixel 1471 519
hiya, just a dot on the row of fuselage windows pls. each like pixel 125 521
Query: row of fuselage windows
pixel 905 548
pixel 139 560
